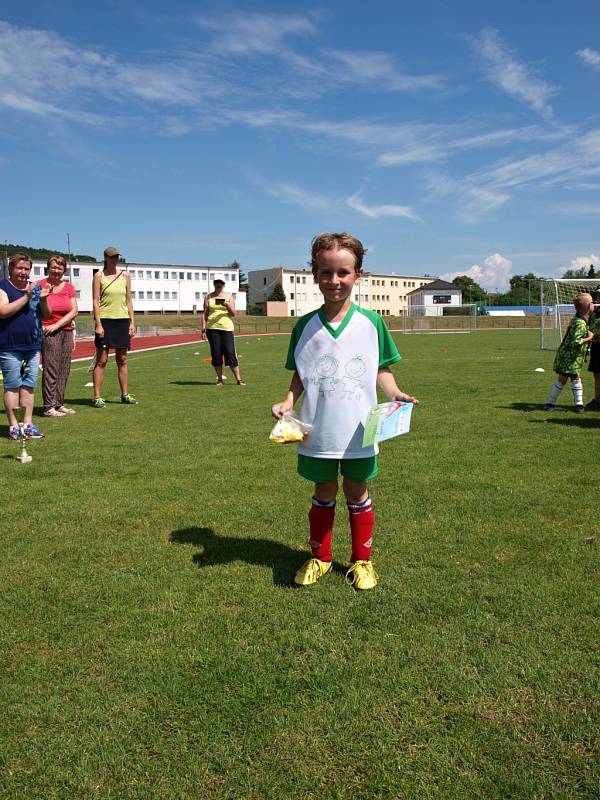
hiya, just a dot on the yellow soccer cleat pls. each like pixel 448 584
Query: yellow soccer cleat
pixel 362 576
pixel 311 571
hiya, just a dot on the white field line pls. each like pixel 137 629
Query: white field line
pixel 176 344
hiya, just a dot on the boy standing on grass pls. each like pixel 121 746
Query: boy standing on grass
pixel 571 354
pixel 339 355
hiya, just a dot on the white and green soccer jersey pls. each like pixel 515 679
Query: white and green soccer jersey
pixel 338 368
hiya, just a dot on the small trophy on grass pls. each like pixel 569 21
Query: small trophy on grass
pixel 23 456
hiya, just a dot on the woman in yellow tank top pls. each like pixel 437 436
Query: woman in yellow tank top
pixel 217 326
pixel 115 324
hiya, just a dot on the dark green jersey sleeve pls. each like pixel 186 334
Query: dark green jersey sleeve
pixel 388 352
pixel 290 362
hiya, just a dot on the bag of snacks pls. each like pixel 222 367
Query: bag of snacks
pixel 289 429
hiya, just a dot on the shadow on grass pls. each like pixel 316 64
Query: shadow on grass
pixel 192 383
pixel 527 407
pixel 87 401
pixel 283 560
pixel 578 421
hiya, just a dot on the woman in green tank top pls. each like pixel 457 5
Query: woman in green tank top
pixel 114 323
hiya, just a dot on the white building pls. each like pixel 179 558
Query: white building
pixel 432 299
pixel 385 294
pixel 157 288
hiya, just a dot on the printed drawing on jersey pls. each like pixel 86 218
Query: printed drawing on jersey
pixel 352 384
pixel 324 374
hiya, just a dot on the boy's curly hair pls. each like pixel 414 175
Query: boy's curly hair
pixel 336 241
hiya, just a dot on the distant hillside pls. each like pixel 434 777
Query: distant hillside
pixel 40 253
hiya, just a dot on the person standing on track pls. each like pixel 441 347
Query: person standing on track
pixel 217 326
pixel 115 323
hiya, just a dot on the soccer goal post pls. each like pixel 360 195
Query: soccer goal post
pixel 439 318
pixel 556 306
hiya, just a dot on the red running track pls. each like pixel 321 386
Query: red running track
pixel 84 348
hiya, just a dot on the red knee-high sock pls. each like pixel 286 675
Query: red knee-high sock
pixel 320 518
pixel 362 521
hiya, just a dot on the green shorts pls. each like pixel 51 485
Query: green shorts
pixel 325 470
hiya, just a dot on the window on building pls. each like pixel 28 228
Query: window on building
pixel 141 295
pixel 173 295
pixel 204 276
pixel 264 284
pixel 297 278
pixel 156 275
pixel 173 276
pixel 292 312
pixel 182 276
pixel 133 295
pixel 148 274
pixel 157 295
pixel 78 293
pixel 37 271
pixel 291 297
pixel 150 296
pixel 234 295
pixel 165 275
pixel 304 279
pixel 189 276
pixel 76 272
pixel 197 295
pixel 291 278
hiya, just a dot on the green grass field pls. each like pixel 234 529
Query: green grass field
pixel 152 645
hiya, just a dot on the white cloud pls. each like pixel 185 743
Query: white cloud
pixel 377 212
pixel 431 143
pixel 295 195
pixel 62 79
pixel 254 33
pixel 589 57
pixel 510 75
pixel 40 108
pixel 493 274
pixel 379 68
pixel 579 209
pixel 584 261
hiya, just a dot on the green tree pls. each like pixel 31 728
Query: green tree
pixel 524 290
pixel 277 294
pixel 472 291
pixel 576 273
pixel 40 253
pixel 256 310
pixel 242 279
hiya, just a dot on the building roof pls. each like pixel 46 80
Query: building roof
pixel 435 285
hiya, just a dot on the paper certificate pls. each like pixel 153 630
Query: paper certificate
pixel 387 420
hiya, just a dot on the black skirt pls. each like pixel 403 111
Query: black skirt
pixel 116 334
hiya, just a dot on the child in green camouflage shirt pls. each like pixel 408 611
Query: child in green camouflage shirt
pixel 572 352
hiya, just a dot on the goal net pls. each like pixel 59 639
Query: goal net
pixel 556 307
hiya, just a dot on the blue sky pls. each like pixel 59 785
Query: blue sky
pixel 451 137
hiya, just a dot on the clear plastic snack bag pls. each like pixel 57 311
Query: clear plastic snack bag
pixel 289 429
